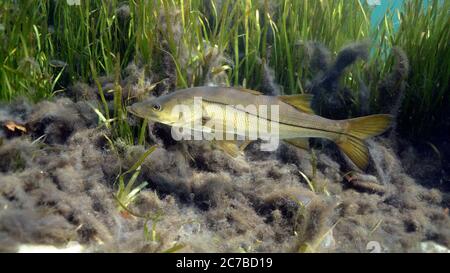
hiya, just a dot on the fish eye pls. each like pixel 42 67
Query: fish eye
pixel 156 107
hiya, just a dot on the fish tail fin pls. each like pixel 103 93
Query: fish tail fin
pixel 358 129
pixel 369 126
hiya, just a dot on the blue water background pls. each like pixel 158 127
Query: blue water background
pixel 385 6
pixel 389 5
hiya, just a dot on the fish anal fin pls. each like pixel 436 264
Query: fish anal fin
pixel 229 146
pixel 302 143
pixel 302 102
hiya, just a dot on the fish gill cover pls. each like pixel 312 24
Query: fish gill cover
pixel 77 167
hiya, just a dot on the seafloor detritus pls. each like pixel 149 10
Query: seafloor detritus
pixel 60 187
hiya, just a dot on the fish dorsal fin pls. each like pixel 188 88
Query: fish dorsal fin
pixel 254 92
pixel 302 102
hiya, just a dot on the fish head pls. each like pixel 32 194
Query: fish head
pixel 160 109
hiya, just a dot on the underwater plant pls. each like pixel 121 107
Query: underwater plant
pixel 52 45
pixel 76 165
pixel 126 193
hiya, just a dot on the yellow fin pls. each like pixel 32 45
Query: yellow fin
pixel 244 145
pixel 302 102
pixel 302 143
pixel 359 129
pixel 229 146
pixel 355 150
pixel 369 126
pixel 254 92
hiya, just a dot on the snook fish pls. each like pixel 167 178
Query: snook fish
pixel 296 121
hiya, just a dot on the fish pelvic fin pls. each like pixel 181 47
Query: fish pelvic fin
pixel 244 145
pixel 302 102
pixel 358 129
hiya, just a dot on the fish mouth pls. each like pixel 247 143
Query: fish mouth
pixel 131 110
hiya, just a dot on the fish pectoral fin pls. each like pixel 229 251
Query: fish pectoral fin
pixel 302 143
pixel 228 146
pixel 302 102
